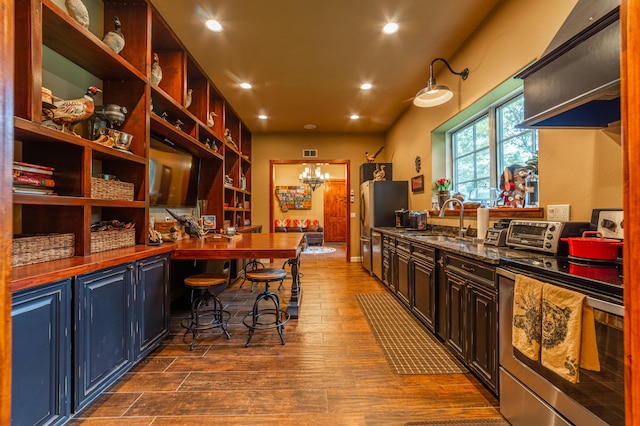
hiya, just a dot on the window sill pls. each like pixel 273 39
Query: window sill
pixel 528 212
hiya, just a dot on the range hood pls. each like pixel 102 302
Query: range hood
pixel 576 82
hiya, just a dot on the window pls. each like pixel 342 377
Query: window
pixel 483 147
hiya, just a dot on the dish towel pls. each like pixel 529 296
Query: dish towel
pixel 527 316
pixel 562 333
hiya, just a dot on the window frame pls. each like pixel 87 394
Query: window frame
pixel 491 112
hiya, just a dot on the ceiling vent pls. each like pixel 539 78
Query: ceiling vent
pixel 309 153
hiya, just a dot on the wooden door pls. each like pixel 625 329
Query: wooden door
pixel 335 211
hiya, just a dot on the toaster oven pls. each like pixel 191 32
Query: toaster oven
pixel 543 235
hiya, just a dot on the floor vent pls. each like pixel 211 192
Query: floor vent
pixel 309 153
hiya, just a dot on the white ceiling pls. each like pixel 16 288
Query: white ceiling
pixel 306 59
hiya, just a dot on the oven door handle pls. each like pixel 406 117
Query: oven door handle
pixel 608 307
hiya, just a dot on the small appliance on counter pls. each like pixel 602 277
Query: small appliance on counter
pixel 497 235
pixel 402 218
pixel 411 219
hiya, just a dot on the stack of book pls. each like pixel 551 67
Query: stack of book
pixel 32 179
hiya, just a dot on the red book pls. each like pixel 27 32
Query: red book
pixel 37 166
pixel 30 174
pixel 31 169
pixel 36 181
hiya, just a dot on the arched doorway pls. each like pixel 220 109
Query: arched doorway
pixel 336 191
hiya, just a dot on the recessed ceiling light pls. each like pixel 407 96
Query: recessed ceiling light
pixel 309 126
pixel 366 86
pixel 355 117
pixel 245 85
pixel 390 28
pixel 262 117
pixel 213 25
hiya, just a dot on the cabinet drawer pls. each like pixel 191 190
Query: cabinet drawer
pixel 423 251
pixel 403 245
pixel 472 269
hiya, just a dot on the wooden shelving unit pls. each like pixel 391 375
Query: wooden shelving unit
pixel 160 110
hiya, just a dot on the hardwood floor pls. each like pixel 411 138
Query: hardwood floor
pixel 331 371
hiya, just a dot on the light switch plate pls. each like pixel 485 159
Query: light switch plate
pixel 559 212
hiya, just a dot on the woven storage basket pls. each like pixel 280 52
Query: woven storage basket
pixel 111 189
pixel 111 240
pixel 27 250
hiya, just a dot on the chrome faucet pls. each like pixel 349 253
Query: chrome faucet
pixel 462 231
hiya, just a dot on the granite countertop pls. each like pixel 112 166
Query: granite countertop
pixel 446 239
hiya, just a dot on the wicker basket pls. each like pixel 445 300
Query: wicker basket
pixel 111 240
pixel 111 189
pixel 27 250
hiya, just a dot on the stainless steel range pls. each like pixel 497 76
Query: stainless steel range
pixel 531 394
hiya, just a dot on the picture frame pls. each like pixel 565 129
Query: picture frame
pixel 209 222
pixel 417 183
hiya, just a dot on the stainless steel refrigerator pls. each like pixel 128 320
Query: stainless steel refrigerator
pixel 378 202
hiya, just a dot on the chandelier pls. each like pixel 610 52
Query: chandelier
pixel 313 177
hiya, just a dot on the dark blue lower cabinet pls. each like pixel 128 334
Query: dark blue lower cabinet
pixel 41 360
pixel 103 340
pixel 152 303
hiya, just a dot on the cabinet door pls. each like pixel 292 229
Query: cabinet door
pixel 41 355
pixel 393 270
pixel 103 324
pixel 482 351
pixel 152 303
pixel 456 314
pixel 424 286
pixel 403 277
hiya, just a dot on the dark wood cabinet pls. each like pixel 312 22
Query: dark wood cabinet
pixel 152 303
pixel 423 284
pixel 389 262
pixel 482 351
pixel 403 254
pixel 41 361
pixel 103 341
pixel 472 316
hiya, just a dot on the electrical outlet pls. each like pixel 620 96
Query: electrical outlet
pixel 559 212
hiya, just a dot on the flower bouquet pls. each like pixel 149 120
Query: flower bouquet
pixel 442 184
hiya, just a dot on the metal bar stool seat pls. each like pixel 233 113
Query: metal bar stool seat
pixel 261 317
pixel 206 309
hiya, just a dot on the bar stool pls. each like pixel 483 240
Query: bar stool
pixel 262 318
pixel 206 309
pixel 251 266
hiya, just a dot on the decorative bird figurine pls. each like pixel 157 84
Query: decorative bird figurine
pixel 191 227
pixel 78 11
pixel 379 173
pixel 210 120
pixel 372 158
pixel 74 110
pixel 114 38
pixel 189 98
pixel 156 71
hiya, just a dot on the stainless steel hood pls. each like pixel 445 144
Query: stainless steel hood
pixel 576 82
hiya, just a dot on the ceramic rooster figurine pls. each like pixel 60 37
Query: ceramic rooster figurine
pixel 78 11
pixel 156 71
pixel 114 38
pixel 191 227
pixel 74 110
pixel 372 158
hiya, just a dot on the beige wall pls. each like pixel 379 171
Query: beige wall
pixel 266 147
pixel 582 168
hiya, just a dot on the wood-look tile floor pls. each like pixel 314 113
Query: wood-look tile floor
pixel 331 371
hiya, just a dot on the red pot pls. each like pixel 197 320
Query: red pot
pixel 595 248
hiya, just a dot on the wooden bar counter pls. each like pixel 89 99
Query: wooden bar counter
pixel 281 245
